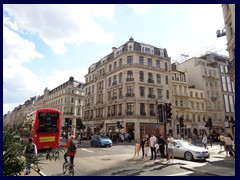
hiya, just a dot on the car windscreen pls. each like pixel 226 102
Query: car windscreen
pixel 103 137
pixel 184 143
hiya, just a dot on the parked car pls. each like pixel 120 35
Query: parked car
pixel 183 149
pixel 100 140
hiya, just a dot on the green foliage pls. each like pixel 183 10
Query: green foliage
pixel 14 162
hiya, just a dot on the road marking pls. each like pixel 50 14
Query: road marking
pixel 84 149
pixel 179 174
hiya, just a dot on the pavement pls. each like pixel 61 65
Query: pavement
pixel 215 166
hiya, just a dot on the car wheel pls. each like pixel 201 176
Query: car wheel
pixel 188 156
pixel 99 144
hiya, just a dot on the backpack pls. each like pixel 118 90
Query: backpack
pixel 72 147
pixel 30 149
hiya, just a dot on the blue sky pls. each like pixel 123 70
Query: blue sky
pixel 43 45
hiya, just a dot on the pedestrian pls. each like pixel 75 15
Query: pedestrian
pixel 170 142
pixel 194 139
pixel 30 151
pixel 143 141
pixel 152 141
pixel 229 145
pixel 221 142
pixel 137 148
pixel 161 143
pixel 71 150
pixel 146 149
pixel 190 137
pixel 204 141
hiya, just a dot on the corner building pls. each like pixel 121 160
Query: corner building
pixel 126 86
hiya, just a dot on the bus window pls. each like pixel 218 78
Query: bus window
pixel 48 122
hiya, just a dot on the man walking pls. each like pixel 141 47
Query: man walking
pixel 30 151
pixel 161 143
pixel 170 142
pixel 153 140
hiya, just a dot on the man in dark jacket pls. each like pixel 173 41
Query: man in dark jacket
pixel 143 140
pixel 161 143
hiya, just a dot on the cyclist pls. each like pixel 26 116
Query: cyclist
pixel 69 152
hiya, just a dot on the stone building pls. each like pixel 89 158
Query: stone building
pixel 126 86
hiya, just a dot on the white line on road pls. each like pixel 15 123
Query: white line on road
pixel 84 149
pixel 179 174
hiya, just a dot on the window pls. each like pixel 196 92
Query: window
pixel 120 62
pixel 142 109
pixel 159 93
pixel 110 67
pixel 196 94
pixel 129 108
pixel 120 93
pixel 120 77
pixel 151 109
pixel 115 79
pixel 221 69
pixel 120 109
pixel 150 91
pixel 130 47
pixel 176 103
pixel 141 60
pixel 109 95
pixel 226 103
pixel 166 66
pixel 202 106
pixel 115 65
pixel 142 91
pixel 181 103
pixel 129 89
pixel 141 76
pixel 157 63
pixel 166 79
pixel 192 105
pixel 224 83
pixel 129 74
pixel 158 79
pixel 109 82
pixel 231 104
pixel 150 76
pixel 226 69
pixel 229 84
pixel 150 62
pixel 167 94
pixel 129 59
pixel 201 95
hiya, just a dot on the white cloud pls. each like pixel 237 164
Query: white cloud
pixel 58 25
pixel 139 8
pixel 19 82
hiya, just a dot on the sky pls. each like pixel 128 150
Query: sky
pixel 43 45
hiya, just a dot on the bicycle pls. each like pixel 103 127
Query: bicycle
pixel 68 167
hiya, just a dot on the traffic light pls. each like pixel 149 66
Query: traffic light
pixel 66 122
pixel 118 124
pixel 160 112
pixel 168 111
pixel 181 122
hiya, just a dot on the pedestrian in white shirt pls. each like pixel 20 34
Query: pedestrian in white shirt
pixel 170 142
pixel 204 141
pixel 152 141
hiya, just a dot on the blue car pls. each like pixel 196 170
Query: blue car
pixel 100 140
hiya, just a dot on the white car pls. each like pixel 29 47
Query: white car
pixel 183 149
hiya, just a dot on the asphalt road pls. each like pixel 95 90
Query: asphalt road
pixel 118 161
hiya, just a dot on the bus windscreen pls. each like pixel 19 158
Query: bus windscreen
pixel 47 122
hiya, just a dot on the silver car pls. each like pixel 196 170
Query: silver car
pixel 183 149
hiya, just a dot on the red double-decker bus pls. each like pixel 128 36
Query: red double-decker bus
pixel 46 128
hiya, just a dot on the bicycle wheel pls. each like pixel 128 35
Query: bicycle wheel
pixel 65 166
pixel 71 172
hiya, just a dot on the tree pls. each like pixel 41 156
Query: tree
pixel 13 160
